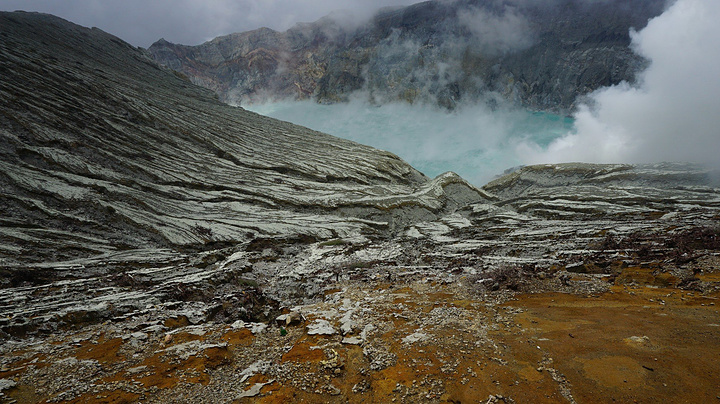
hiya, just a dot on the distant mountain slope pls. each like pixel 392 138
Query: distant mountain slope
pixel 541 55
pixel 102 150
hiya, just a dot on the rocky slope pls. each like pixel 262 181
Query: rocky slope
pixel 103 152
pixel 160 246
pixel 541 55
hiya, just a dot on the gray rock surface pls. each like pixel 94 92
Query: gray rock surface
pixel 541 55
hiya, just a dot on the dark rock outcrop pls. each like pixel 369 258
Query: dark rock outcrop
pixel 541 55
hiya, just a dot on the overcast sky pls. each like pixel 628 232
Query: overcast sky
pixel 191 22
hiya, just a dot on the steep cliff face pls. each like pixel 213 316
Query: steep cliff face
pixel 102 150
pixel 541 55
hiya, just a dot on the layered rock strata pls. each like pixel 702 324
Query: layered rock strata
pixel 104 152
pixel 574 282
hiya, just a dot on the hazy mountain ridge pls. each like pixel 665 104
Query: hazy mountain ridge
pixel 541 55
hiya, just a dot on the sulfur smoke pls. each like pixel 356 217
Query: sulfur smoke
pixel 671 114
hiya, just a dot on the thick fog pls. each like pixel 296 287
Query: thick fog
pixel 672 114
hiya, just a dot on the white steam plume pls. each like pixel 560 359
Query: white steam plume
pixel 672 114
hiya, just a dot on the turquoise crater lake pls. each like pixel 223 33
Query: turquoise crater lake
pixel 473 141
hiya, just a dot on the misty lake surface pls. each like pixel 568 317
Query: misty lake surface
pixel 473 141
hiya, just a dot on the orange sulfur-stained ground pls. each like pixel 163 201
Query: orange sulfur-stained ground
pixel 419 342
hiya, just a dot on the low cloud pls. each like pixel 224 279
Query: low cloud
pixel 671 114
pixel 192 22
